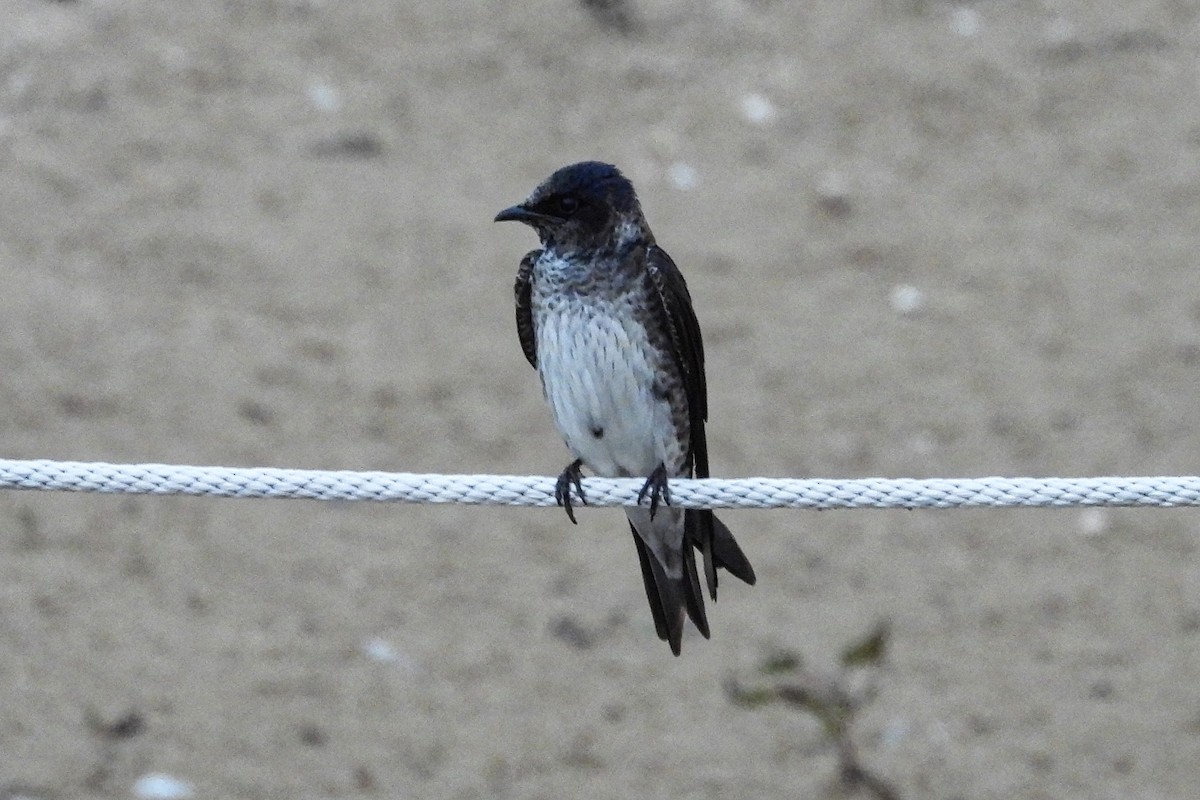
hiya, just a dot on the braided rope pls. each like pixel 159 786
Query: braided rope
pixel 516 490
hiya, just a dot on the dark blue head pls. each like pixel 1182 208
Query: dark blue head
pixel 584 205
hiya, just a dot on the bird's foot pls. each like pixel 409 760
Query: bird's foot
pixel 562 489
pixel 656 487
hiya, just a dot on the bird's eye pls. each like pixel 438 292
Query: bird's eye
pixel 567 205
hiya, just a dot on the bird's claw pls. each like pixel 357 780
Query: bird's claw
pixel 656 486
pixel 562 489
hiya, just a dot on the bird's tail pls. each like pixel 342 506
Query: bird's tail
pixel 669 566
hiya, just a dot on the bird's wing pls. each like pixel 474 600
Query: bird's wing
pixel 522 291
pixel 686 344
pixel 672 292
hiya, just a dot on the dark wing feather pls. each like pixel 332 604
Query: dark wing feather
pixel 522 291
pixel 688 349
pixel 687 346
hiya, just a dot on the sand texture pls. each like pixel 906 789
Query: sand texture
pixel 924 239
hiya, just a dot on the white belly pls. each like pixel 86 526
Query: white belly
pixel 598 376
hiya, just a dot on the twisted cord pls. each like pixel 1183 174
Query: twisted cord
pixel 518 490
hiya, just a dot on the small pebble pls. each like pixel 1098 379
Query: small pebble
pixel 1093 521
pixel 965 21
pixel 907 300
pixel 684 176
pixel 757 109
pixel 384 652
pixel 324 97
pixel 160 786
pixel 378 649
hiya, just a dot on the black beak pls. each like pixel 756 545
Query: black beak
pixel 522 214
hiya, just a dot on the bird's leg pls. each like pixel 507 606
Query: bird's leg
pixel 656 487
pixel 562 489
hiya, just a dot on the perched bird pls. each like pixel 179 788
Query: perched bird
pixel 605 317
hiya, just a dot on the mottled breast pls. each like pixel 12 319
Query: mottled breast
pixel 611 390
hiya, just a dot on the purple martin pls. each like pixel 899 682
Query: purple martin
pixel 604 316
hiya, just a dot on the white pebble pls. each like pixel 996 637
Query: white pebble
pixel 160 786
pixel 1093 521
pixel 323 97
pixel 757 109
pixel 378 649
pixel 684 176
pixel 907 300
pixel 382 651
pixel 965 21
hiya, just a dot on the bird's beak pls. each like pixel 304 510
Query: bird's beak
pixel 520 213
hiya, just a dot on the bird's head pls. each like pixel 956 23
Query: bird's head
pixel 585 206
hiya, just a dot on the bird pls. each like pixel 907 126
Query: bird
pixel 605 317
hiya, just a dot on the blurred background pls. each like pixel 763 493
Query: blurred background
pixel 924 239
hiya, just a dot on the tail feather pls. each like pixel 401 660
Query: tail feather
pixel 670 598
pixel 729 556
pixel 692 595
pixel 648 578
pixel 710 536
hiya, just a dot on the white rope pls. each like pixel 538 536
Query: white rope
pixel 516 490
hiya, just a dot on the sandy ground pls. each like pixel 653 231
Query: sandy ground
pixel 259 233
